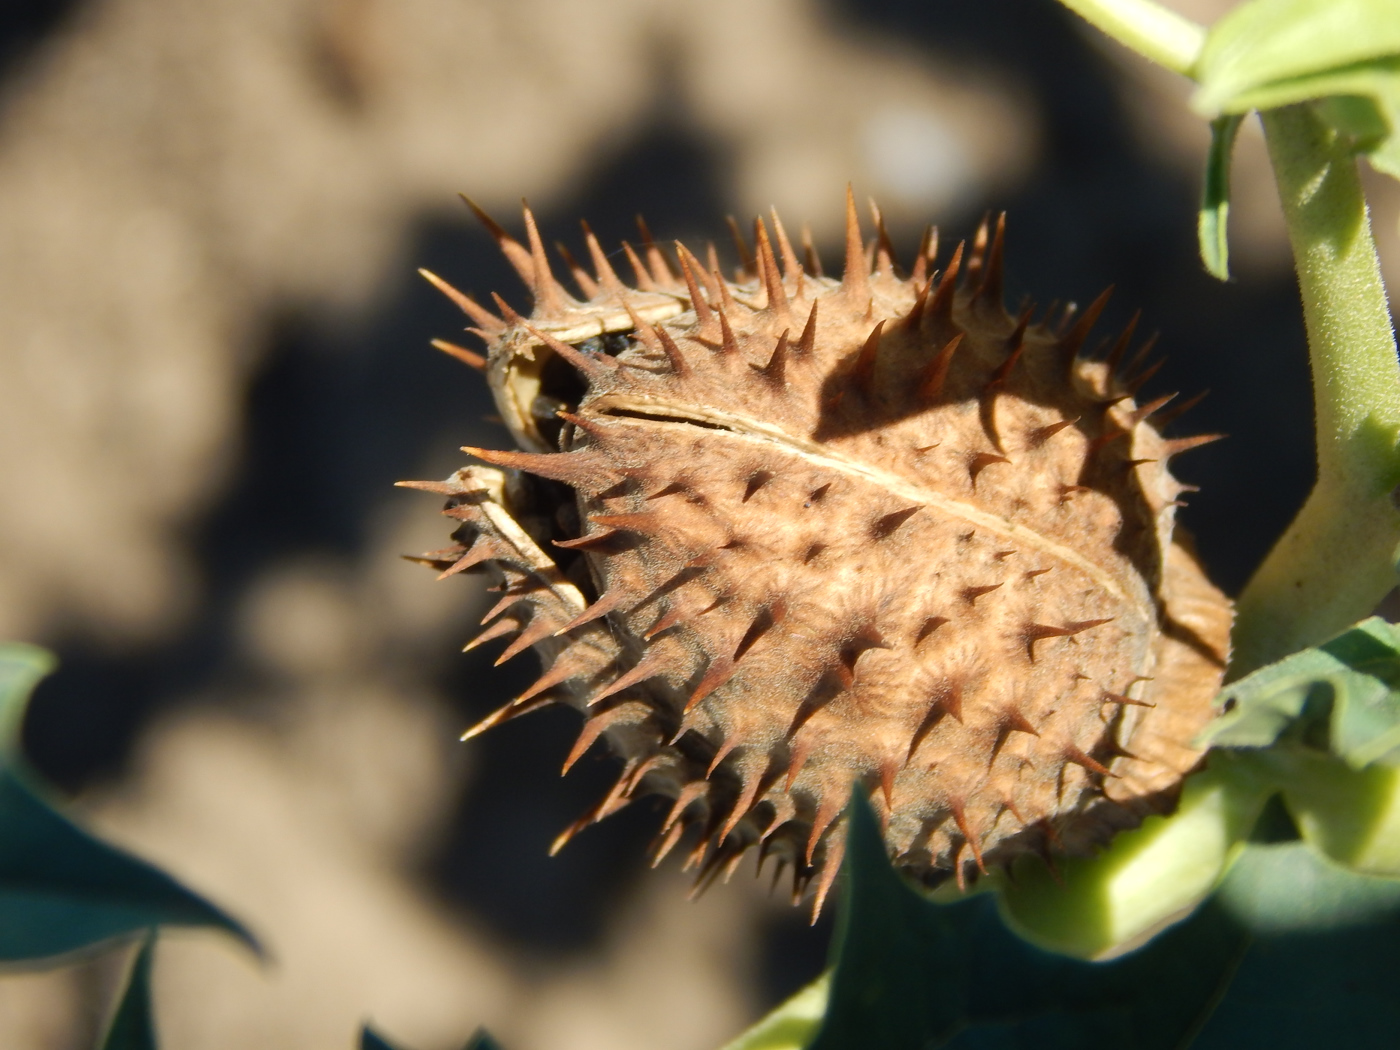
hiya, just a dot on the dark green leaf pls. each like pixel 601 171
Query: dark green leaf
pixel 1291 953
pixel 482 1040
pixel 372 1040
pixel 1344 695
pixel 133 1026
pixel 60 888
pixel 1212 224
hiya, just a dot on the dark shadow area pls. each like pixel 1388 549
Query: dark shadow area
pixel 25 23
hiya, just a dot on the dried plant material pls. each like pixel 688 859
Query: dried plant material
pixel 785 534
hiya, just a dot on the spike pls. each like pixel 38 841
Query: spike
pixel 512 249
pixel 978 255
pixel 940 306
pixel 1119 698
pixel 1079 758
pixel 729 344
pixel 588 365
pixel 561 670
pixel 855 281
pixel 774 371
pixel 1164 419
pixel 960 818
pixel 980 461
pixel 885 525
pixel 792 269
pixel 469 306
pixel 864 369
pixel 639 272
pixel 745 259
pixel 595 726
pixel 1040 435
pixel 947 701
pixel 827 811
pixel 1176 446
pixel 1144 411
pixel 606 276
pixel 971 594
pixel 479 552
pixel 756 481
pixel 808 342
pixel 572 468
pixel 1073 340
pixel 712 261
pixel 929 626
pixel 1016 721
pixel 1120 346
pixel 831 867
pixel 884 250
pixel 919 273
pixel 594 541
pixel 660 268
pixel 509 625
pixel 809 252
pixel 889 769
pixel 549 293
pixel 586 284
pixel 442 488
pixel 604 605
pixel 669 838
pixel 677 360
pixel 1034 632
pixel 501 715
pixel 800 751
pixel 692 791
pixel 768 273
pixel 536 630
pixel 652 663
pixel 990 290
pixel 741 809
pixel 703 314
pixel 468 357
pixel 721 753
pixel 721 669
pixel 935 373
pixel 1137 382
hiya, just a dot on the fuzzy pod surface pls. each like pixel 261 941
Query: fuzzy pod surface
pixel 783 534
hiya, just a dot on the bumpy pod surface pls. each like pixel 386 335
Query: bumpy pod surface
pixel 783 535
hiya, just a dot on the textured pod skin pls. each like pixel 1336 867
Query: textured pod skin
pixel 787 534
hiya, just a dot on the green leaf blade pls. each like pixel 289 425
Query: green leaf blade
pixel 133 1026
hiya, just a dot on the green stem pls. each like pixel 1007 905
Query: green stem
pixel 1149 29
pixel 1336 560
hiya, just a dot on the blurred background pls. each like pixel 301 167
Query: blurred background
pixel 214 363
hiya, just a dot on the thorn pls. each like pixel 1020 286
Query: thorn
pixel 745 259
pixel 668 842
pixel 978 254
pixel 480 551
pixel 1035 632
pixel 971 594
pixel 1144 411
pixel 774 371
pixel 1120 346
pixel 947 701
pixel 808 342
pixel 800 752
pixel 536 630
pixel 924 257
pixel 703 314
pixel 549 293
pixel 1079 758
pixel 1016 344
pixel 469 306
pixel 756 481
pixel 572 468
pixel 501 715
pixel 990 290
pixel 592 367
pixel 512 249
pixel 884 250
pixel 864 369
pixel 639 272
pixel 1165 419
pixel 712 261
pixel 586 284
pixel 604 605
pixel 652 663
pixel 679 365
pixel 889 769
pixel 721 753
pixel 929 626
pixel 936 371
pixel 606 276
pixel 1072 341
pixel 1040 435
pixel 980 461
pixel 855 281
pixel 468 357
pixel 809 252
pixel 831 867
pixel 593 541
pixel 729 345
pixel 559 671
pixel 509 625
pixel 1014 720
pixel 916 312
pixel 1119 698
pixel 1137 382
pixel 940 306
pixel 1176 446
pixel 886 525
pixel 660 268
pixel 792 269
pixel 768 273
pixel 960 818
pixel 721 669
pixel 593 729
pixel 741 809
pixel 827 810
pixel 693 790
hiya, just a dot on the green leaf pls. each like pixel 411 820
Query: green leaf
pixel 372 1040
pixel 1266 42
pixel 60 888
pixel 790 1026
pixel 1211 227
pixel 1291 952
pixel 133 1026
pixel 1343 695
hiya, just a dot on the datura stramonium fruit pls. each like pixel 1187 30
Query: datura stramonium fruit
pixel 783 535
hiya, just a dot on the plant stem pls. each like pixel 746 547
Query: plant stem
pixel 1157 34
pixel 1336 560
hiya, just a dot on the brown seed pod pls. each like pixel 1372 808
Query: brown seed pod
pixel 782 535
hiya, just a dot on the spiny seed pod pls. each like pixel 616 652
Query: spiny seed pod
pixel 783 535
